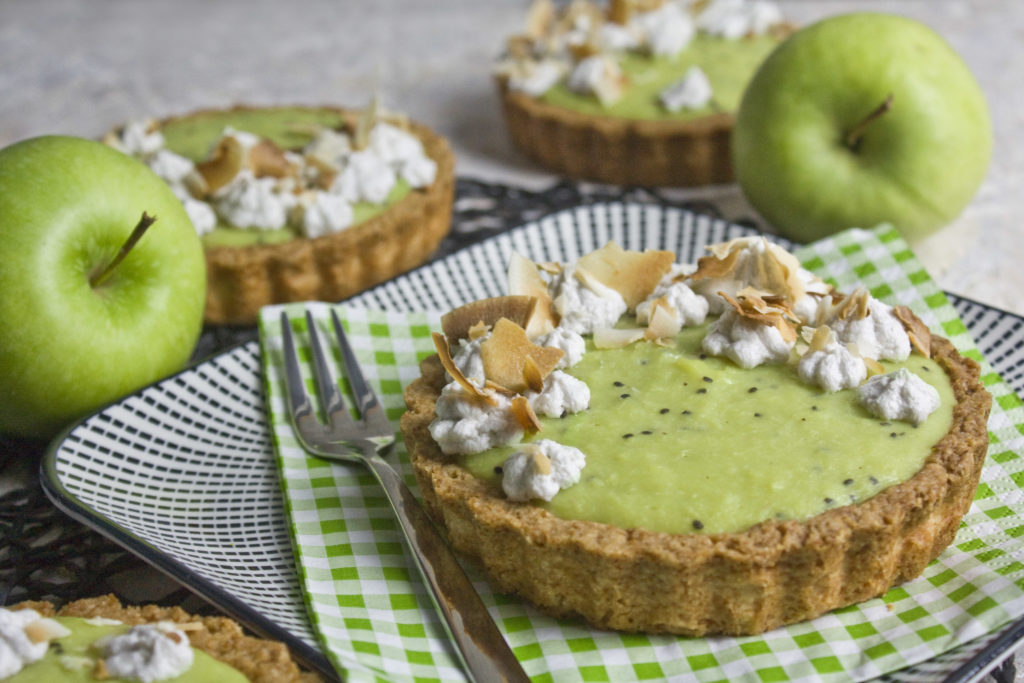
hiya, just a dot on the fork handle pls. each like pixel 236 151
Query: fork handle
pixel 480 645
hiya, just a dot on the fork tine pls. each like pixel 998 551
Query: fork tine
pixel 330 396
pixel 298 400
pixel 366 400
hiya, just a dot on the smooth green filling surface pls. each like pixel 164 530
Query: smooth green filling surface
pixel 289 128
pixel 680 442
pixel 72 659
pixel 729 65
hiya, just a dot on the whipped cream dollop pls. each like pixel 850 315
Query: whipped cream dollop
pixel 667 30
pixel 571 343
pixel 734 19
pixel 562 394
pixel 691 307
pixel 251 202
pixel 599 75
pixel 541 469
pixel 468 360
pixel 749 271
pixel 323 213
pixel 149 652
pixel 536 77
pixel 879 335
pixel 899 395
pixel 24 638
pixel 585 307
pixel 747 342
pixel 692 91
pixel 464 425
pixel 832 367
pixel 365 178
pixel 139 138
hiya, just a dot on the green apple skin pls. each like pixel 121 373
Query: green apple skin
pixel 67 205
pixel 916 166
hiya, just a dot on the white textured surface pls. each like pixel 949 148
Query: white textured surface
pixel 80 67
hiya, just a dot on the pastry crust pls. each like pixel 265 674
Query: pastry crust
pixel 261 661
pixel 620 151
pixel 775 573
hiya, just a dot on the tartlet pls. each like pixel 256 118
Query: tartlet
pixel 610 147
pixel 773 573
pixel 334 266
pixel 259 660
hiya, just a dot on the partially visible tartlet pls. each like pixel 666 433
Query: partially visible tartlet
pixel 642 92
pixel 255 659
pixel 315 235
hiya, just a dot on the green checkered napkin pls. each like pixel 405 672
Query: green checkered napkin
pixel 376 622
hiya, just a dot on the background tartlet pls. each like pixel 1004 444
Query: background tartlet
pixel 334 266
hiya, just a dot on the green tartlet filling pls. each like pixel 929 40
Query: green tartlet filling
pixel 681 442
pixel 66 659
pixel 289 128
pixel 729 65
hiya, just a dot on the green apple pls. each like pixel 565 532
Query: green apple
pixel 857 120
pixel 79 328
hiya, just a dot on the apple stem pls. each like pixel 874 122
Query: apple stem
pixel 855 135
pixel 143 225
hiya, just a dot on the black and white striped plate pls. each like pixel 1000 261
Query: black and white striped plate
pixel 182 473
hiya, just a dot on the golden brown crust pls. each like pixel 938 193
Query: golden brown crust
pixel 617 150
pixel 261 661
pixel 774 573
pixel 240 280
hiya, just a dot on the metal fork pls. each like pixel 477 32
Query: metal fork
pixel 483 652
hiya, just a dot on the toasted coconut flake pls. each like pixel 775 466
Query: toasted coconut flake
pixel 524 280
pixel 265 159
pixel 520 50
pixel 665 322
pixel 223 165
pixel 541 462
pixel 616 338
pixel 874 367
pixel 633 274
pixel 479 330
pixel 367 120
pixel 822 337
pixel 505 355
pixel 714 266
pixel 523 412
pixel 498 389
pixel 620 11
pixel 44 630
pixel 753 307
pixel 920 335
pixel 854 306
pixel 445 355
pixel 457 323
pixel 532 376
pixel 550 267
pixel 540 17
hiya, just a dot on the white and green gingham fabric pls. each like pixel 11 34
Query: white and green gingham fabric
pixel 376 622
